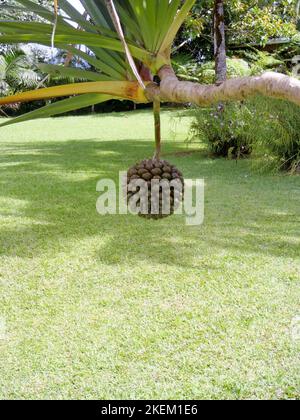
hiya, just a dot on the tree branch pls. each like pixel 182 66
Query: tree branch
pixel 269 84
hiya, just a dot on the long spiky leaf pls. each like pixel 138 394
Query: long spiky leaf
pixel 146 27
pixel 125 90
pixel 61 107
pixel 116 21
pixel 175 26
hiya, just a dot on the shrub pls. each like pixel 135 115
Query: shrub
pixel 244 63
pixel 271 127
pixel 236 67
pixel 277 126
pixel 261 61
pixel 224 129
pixel 205 73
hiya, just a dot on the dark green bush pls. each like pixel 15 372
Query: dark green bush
pixel 277 126
pixel 190 70
pixel 271 127
pixel 225 129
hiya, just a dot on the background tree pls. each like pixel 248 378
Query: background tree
pixel 220 41
pixel 18 73
pixel 11 9
pixel 247 22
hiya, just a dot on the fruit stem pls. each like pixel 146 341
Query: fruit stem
pixel 156 112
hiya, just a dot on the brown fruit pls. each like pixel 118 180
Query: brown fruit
pixel 131 172
pixel 149 166
pixel 163 171
pixel 167 175
pixel 133 177
pixel 156 171
pixel 158 164
pixel 141 172
pixel 147 176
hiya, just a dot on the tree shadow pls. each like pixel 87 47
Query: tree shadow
pixel 49 189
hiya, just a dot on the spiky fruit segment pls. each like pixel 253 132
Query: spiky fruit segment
pixel 160 184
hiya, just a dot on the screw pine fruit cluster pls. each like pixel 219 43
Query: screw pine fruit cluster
pixel 161 182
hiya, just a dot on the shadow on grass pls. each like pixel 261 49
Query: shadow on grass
pixel 49 191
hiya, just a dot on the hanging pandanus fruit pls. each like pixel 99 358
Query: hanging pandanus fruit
pixel 154 185
pixel 155 188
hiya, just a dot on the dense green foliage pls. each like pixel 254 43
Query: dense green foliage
pixel 226 130
pixel 258 21
pixel 18 72
pixel 191 70
pixel 276 125
pixel 252 21
pixel 270 127
pixel 11 9
pixel 250 63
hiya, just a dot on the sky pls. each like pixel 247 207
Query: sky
pixel 77 4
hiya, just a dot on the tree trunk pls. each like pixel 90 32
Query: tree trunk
pixel 157 127
pixel 220 42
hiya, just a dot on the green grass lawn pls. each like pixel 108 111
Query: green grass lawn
pixel 120 307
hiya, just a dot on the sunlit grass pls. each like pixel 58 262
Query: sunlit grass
pixel 118 307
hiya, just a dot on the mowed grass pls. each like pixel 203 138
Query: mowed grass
pixel 117 307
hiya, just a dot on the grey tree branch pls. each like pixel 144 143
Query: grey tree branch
pixel 269 84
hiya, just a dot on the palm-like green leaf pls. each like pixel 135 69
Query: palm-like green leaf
pixel 15 34
pixel 124 90
pixel 17 71
pixel 149 28
pixel 76 73
pixel 174 27
pixel 61 107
